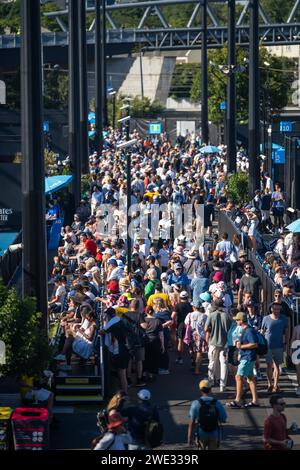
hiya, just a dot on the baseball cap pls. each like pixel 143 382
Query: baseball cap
pixel 242 253
pixel 217 277
pixel 112 262
pixel 144 394
pixel 242 316
pixel 177 266
pixel 115 420
pixel 205 297
pixel 183 294
pixel 204 384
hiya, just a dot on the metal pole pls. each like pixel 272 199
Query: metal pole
pixel 231 90
pixel 204 85
pixel 141 72
pixel 74 92
pixel 254 124
pixel 104 78
pixel 84 146
pixel 114 111
pixel 98 80
pixel 128 165
pixel 35 279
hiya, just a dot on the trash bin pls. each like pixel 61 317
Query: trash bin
pixel 30 429
pixel 5 428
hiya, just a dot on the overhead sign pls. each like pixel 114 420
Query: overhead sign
pixel 155 128
pixel 46 126
pixel 279 156
pixel 286 126
pixel 223 105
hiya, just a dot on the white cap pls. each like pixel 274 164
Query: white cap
pixel 183 294
pixel 144 394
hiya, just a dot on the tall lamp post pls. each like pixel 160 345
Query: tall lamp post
pixel 254 121
pixel 231 90
pixel 98 80
pixel 84 146
pixel 35 278
pixel 104 78
pixel 113 93
pixel 204 83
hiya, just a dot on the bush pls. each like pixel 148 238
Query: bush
pixel 237 187
pixel 27 348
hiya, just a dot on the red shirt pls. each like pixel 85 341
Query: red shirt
pixel 91 246
pixel 275 428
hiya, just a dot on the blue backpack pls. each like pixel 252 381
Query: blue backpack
pixel 262 348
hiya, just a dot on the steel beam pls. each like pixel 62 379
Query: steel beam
pixel 83 88
pixel 98 81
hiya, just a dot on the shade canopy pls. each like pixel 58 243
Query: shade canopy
pixel 210 149
pixel 55 183
pixel 294 227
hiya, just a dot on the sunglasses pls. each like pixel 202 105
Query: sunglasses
pixel 281 403
pixel 277 295
pixel 248 267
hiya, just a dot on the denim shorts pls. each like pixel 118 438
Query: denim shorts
pixel 245 368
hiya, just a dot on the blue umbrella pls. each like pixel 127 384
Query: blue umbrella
pixel 55 183
pixel 92 134
pixel 294 227
pixel 274 147
pixel 210 149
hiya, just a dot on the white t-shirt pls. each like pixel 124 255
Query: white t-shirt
pixel 164 257
pixel 112 441
pixel 60 293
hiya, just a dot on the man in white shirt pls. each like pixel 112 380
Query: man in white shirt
pixel 55 304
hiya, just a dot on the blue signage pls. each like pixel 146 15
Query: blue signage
pixel 46 126
pixel 55 234
pixel 286 126
pixel 279 156
pixel 155 128
pixel 223 105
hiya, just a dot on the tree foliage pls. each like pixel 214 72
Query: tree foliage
pixel 275 82
pixel 238 187
pixel 27 349
pixel 182 80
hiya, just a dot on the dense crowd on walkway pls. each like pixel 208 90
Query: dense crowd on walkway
pixel 192 291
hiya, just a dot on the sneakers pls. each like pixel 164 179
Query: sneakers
pixel 298 391
pixel 60 357
pixel 140 383
pixel 179 360
pixel 163 372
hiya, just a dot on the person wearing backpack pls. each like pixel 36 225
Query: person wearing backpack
pixel 247 345
pixel 207 413
pixel 143 423
pixel 116 437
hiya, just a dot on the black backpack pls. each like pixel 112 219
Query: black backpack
pixel 153 433
pixel 262 344
pixel 208 419
pixel 136 337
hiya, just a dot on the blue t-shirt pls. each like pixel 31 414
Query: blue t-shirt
pixel 199 285
pixel 274 330
pixel 255 321
pixel 194 414
pixel 182 279
pixel 249 336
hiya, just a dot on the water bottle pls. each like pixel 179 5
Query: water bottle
pixel 294 427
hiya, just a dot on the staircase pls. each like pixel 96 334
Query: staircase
pixel 78 389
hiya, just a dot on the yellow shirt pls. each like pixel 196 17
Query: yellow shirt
pixel 159 295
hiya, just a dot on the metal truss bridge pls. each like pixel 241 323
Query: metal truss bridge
pixel 166 37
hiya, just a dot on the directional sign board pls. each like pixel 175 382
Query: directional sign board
pixel 155 128
pixel 46 126
pixel 279 156
pixel 286 126
pixel 223 105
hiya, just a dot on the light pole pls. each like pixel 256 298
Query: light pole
pixel 141 73
pixel 269 154
pixel 98 80
pixel 34 276
pixel 204 84
pixel 74 109
pixel 104 79
pixel 126 145
pixel 254 122
pixel 83 105
pixel 231 90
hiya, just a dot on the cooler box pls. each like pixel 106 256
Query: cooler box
pixel 30 429
pixel 5 428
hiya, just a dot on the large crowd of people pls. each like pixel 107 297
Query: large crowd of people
pixel 188 288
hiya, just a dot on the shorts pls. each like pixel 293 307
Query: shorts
pixel 181 330
pixel 245 368
pixel 274 355
pixel 138 354
pixel 121 361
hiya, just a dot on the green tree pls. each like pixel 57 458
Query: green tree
pixel 27 349
pixel 238 187
pixel 143 107
pixel 56 85
pixel 182 80
pixel 276 80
